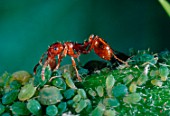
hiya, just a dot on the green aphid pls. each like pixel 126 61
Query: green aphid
pixel 68 69
pixel 6 114
pixel 2 108
pixel 49 95
pixel 100 91
pixel 164 78
pixel 80 106
pixel 110 113
pixel 6 90
pixel 69 93
pixel 99 110
pixel 59 83
pixel 15 84
pixel 19 108
pixel 109 92
pixel 133 87
pixel 38 78
pixel 89 105
pixel 2 79
pixel 69 81
pixel 164 72
pixel 110 81
pixel 132 98
pixel 62 107
pixel 10 97
pixel 21 76
pixel 92 92
pixel 70 102
pixel 5 79
pixel 142 79
pixel 154 73
pixel 82 93
pixel 143 58
pixel 77 98
pixel 164 56
pixel 27 91
pixel 119 90
pixel 51 110
pixel 74 105
pixel 128 79
pixel 157 82
pixel 111 102
pixel 34 107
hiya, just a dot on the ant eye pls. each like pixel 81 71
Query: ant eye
pixel 55 48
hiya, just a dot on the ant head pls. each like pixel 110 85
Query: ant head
pixel 55 49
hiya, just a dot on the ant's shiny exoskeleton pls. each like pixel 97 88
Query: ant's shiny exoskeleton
pixel 73 49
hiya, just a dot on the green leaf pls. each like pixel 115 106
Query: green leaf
pixel 166 6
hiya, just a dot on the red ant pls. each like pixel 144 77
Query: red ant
pixel 73 49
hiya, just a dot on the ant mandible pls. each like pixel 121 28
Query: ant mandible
pixel 73 49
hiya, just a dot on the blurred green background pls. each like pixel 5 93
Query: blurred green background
pixel 27 27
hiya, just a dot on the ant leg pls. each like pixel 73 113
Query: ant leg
pixel 56 67
pixel 119 59
pixel 39 63
pixel 43 70
pixel 60 56
pixel 77 56
pixel 59 61
pixel 35 68
pixel 74 65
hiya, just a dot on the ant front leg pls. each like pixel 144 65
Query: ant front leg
pixel 59 61
pixel 60 57
pixel 39 63
pixel 56 67
pixel 52 64
pixel 43 70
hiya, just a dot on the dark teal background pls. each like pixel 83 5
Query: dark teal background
pixel 27 27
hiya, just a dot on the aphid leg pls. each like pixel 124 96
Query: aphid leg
pixel 74 65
